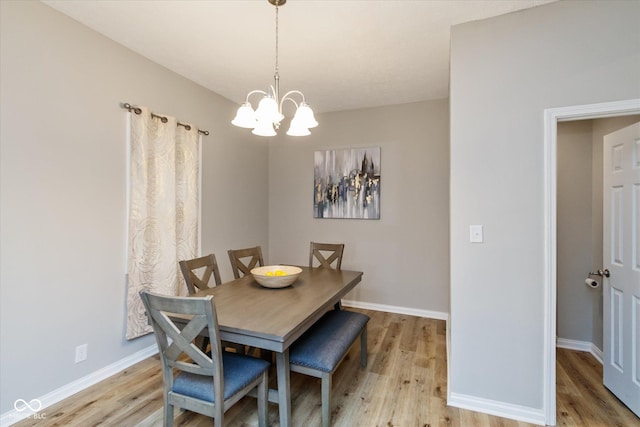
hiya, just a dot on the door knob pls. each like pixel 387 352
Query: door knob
pixel 601 273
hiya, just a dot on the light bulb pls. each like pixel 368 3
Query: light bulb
pixel 245 117
pixel 297 128
pixel 304 113
pixel 264 128
pixel 268 110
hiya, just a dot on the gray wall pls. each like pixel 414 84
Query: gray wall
pixel 504 72
pixel 405 254
pixel 576 303
pixel 63 207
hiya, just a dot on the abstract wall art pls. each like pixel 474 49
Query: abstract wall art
pixel 347 183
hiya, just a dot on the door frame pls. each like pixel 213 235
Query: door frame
pixel 551 118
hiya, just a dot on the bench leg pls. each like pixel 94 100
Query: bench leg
pixel 326 399
pixel 363 347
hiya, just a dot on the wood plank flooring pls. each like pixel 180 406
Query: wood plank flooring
pixel 582 400
pixel 404 384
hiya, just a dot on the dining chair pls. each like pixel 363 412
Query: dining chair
pixel 191 267
pixel 243 260
pixel 208 384
pixel 321 349
pixel 327 255
pixel 197 274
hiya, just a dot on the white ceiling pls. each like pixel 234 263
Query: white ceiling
pixel 343 54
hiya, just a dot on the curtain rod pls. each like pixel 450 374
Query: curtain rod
pixel 163 119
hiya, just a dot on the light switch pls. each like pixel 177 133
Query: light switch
pixel 475 234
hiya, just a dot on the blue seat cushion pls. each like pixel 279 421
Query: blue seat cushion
pixel 238 371
pixel 326 342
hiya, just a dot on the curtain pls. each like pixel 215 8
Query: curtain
pixel 163 210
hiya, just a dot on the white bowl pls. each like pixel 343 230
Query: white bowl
pixel 290 275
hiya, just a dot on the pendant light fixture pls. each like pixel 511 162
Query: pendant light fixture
pixel 265 120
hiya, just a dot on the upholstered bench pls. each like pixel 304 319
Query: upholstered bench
pixel 321 349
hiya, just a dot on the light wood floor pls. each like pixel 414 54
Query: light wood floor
pixel 404 385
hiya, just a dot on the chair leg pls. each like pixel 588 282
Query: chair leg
pixel 363 347
pixel 263 403
pixel 168 415
pixel 218 414
pixel 326 399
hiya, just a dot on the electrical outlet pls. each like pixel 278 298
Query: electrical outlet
pixel 81 352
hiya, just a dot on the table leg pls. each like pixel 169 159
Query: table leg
pixel 284 388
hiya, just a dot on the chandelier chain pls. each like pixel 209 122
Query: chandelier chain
pixel 276 38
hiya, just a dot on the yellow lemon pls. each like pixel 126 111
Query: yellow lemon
pixel 269 273
pixel 280 273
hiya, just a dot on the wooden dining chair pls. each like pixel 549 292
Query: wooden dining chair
pixel 327 255
pixel 197 274
pixel 207 266
pixel 243 260
pixel 208 384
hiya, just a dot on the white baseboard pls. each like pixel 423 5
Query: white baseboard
pixel 580 346
pixel 597 353
pixel 398 310
pixel 500 409
pixel 13 416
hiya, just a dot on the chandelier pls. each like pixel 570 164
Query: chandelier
pixel 265 120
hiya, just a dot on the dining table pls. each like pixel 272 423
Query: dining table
pixel 274 318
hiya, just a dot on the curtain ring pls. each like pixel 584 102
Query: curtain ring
pixel 163 119
pixel 130 107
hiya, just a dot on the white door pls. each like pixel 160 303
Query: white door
pixel 621 228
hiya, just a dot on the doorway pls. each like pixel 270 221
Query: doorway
pixel 551 119
pixel 580 246
pixel 580 230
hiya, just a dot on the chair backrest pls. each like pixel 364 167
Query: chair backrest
pixel 190 269
pixel 329 255
pixel 243 260
pixel 203 312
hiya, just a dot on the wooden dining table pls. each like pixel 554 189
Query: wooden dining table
pixel 272 319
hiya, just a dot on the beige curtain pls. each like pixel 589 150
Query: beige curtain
pixel 163 210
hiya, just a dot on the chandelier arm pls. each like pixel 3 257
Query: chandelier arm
pixel 255 91
pixel 286 96
pixel 287 99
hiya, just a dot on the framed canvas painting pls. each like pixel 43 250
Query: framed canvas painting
pixel 347 183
